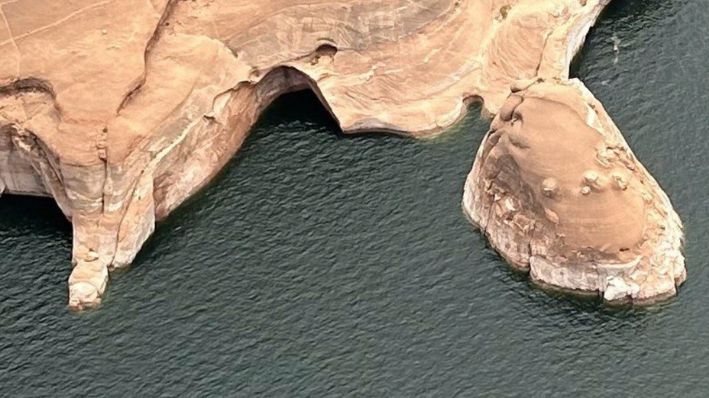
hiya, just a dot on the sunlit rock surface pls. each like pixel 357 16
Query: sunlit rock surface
pixel 120 110
pixel 559 193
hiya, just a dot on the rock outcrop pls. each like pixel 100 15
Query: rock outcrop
pixel 120 110
pixel 559 194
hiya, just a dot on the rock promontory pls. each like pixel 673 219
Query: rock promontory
pixel 559 194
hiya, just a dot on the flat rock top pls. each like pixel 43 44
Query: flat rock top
pixel 559 192
pixel 575 175
pixel 118 71
pixel 584 180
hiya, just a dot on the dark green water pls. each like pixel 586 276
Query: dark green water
pixel 323 265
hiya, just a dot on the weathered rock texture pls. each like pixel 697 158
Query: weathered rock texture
pixel 121 109
pixel 558 192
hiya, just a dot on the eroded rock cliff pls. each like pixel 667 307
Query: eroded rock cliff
pixel 120 110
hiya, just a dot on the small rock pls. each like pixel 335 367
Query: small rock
pixel 550 187
pixel 551 216
pixel 620 181
pixel 590 176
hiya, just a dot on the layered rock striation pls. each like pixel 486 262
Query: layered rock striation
pixel 120 110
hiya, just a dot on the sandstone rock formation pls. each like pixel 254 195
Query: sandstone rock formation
pixel 120 110
pixel 558 192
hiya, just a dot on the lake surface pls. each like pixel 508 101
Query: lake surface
pixel 324 265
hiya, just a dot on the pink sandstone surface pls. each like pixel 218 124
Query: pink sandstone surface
pixel 122 109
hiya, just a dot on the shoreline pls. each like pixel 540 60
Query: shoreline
pixel 117 166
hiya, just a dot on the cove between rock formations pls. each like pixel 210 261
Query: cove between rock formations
pixel 139 103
